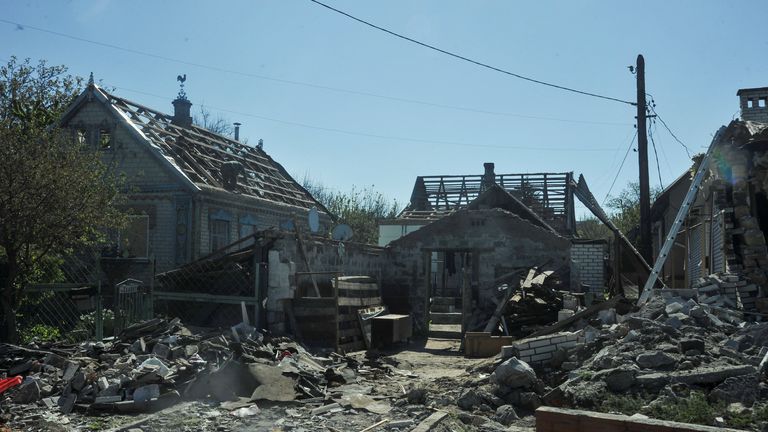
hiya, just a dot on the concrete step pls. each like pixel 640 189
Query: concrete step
pixel 441 308
pixel 445 317
pixel 445 331
pixel 446 300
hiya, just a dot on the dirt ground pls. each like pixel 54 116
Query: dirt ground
pixel 435 369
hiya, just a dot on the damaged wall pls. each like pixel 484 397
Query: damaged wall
pixel 324 255
pixel 735 196
pixel 499 241
pixel 587 264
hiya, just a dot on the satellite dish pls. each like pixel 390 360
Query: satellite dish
pixel 314 220
pixel 342 232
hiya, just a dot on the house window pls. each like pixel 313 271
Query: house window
pixel 105 139
pixel 132 241
pixel 247 227
pixel 81 136
pixel 219 234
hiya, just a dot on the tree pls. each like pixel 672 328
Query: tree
pixel 626 209
pixel 55 194
pixel 218 124
pixel 591 228
pixel 361 209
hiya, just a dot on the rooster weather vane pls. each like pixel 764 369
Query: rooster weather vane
pixel 181 79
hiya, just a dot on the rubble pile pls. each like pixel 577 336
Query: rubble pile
pixel 670 347
pixel 157 363
pixel 727 290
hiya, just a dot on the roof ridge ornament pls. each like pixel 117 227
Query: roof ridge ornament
pixel 181 79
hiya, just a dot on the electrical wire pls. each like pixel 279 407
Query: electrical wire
pixel 656 154
pixel 371 135
pixel 304 84
pixel 663 153
pixel 652 107
pixel 620 168
pixel 467 59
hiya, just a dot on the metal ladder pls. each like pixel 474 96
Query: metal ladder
pixel 682 213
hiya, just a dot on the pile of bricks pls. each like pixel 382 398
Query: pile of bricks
pixel 744 242
pixel 727 290
pixel 541 349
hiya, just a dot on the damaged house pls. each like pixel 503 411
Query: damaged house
pixel 462 237
pixel 190 191
pixel 725 232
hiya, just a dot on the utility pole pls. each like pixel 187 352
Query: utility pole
pixel 642 155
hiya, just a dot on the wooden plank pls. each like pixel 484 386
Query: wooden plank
pixel 363 301
pixel 303 254
pixel 314 311
pixel 583 314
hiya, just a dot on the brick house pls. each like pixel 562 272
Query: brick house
pixel 190 191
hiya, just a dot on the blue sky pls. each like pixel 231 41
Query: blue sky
pixel 698 53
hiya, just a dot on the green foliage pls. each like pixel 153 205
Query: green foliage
pixel 591 228
pixel 623 403
pixel 56 195
pixel 625 208
pixel 87 322
pixel 40 333
pixel 692 409
pixel 359 208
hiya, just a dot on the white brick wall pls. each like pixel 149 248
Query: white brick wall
pixel 540 349
pixel 588 262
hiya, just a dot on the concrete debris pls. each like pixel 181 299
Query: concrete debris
pixel 154 363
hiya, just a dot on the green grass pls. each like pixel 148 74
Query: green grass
pixel 624 404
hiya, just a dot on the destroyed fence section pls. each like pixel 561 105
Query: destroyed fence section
pixel 344 320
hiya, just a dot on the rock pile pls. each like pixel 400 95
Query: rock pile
pixel 670 345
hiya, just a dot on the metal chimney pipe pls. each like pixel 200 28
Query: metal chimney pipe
pixel 237 131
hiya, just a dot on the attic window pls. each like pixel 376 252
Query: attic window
pixel 750 103
pixel 81 136
pixel 761 102
pixel 105 139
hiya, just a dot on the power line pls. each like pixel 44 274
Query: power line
pixel 652 107
pixel 655 153
pixel 301 83
pixel 467 59
pixel 620 167
pixel 370 135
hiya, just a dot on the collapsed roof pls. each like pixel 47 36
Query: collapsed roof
pixel 205 158
pixel 547 194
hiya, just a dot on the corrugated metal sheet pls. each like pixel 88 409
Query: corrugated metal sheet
pixel 718 243
pixel 695 253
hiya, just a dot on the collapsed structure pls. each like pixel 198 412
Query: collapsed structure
pixel 493 260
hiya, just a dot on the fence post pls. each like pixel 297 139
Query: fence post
pixel 99 323
pixel 256 285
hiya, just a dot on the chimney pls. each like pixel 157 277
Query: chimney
pixel 181 108
pixel 237 131
pixel 182 105
pixel 754 104
pixel 489 177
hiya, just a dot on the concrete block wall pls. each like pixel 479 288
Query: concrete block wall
pixel 588 264
pixel 499 240
pixel 540 350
